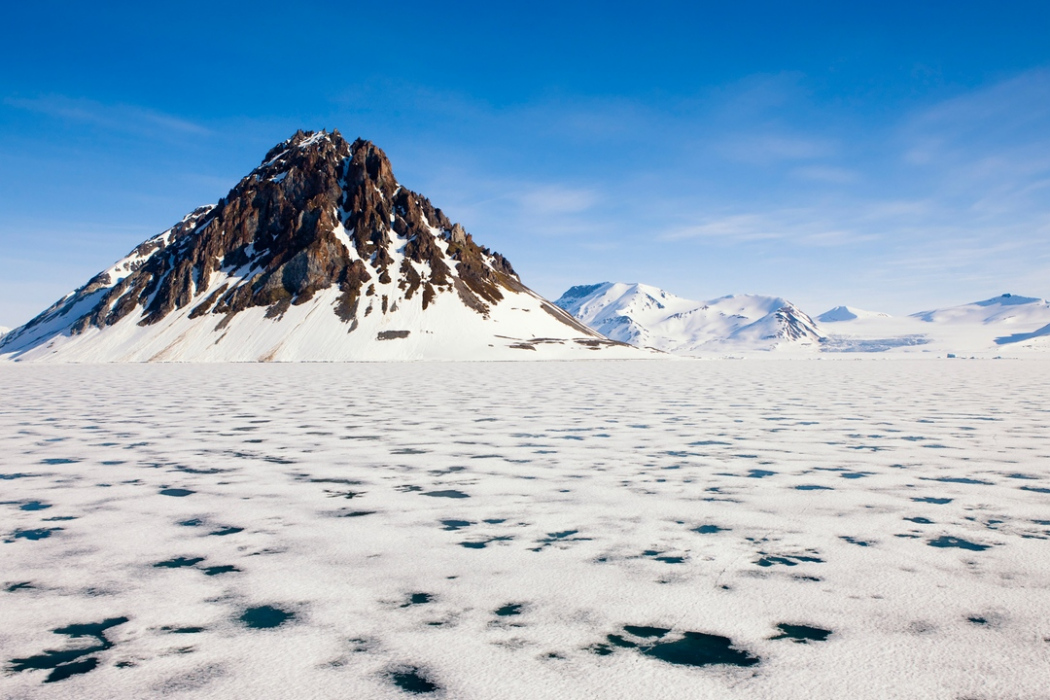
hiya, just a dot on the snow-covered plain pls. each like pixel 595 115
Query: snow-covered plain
pixel 527 530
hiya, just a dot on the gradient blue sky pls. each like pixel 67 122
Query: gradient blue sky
pixel 893 157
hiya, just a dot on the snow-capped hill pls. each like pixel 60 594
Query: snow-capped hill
pixel 624 312
pixel 786 323
pixel 647 316
pixel 848 313
pixel 318 254
pixel 4 330
pixel 1005 309
pixel 982 328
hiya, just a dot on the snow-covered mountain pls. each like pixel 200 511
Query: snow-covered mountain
pixel 651 317
pixel 1001 324
pixel 848 313
pixel 1008 309
pixel 318 254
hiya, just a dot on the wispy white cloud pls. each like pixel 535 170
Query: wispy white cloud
pixel 117 117
pixel 801 227
pixel 547 200
pixel 760 148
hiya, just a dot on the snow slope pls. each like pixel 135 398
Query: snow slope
pixel 319 254
pixel 651 317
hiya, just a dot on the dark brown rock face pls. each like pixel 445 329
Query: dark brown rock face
pixel 318 213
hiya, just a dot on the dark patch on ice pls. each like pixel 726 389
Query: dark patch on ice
pixel 931 499
pixel 347 482
pixel 658 555
pixel 618 641
pixel 977 620
pixel 556 537
pixel 408 488
pixel 177 493
pixel 452 525
pixel 497 521
pixel 1035 489
pixel 178 562
pixel 813 487
pixel 58 460
pixel 71 668
pixel 509 610
pixel 60 518
pixel 854 540
pixel 226 530
pixel 700 649
pixel 448 493
pixel 449 470
pixel 786 559
pixel 357 513
pixel 646 631
pixel 854 475
pixel 192 470
pixel 344 494
pixel 801 634
pixel 20 586
pixel 16 475
pixel 948 541
pixel 1018 475
pixel 192 522
pixel 920 520
pixel 219 570
pixel 411 679
pixel 691 649
pixel 759 473
pixel 709 529
pixel 417 599
pixel 265 617
pixel 408 451
pixel 182 630
pixel 34 505
pixel 37 533
pixel 66 663
pixel 956 480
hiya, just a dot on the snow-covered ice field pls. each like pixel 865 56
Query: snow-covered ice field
pixel 753 529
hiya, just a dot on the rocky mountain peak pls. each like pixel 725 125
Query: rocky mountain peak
pixel 317 213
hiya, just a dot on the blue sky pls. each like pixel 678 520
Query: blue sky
pixel 895 157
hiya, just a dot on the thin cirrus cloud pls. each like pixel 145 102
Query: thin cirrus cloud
pixel 808 227
pixel 547 200
pixel 758 148
pixel 117 117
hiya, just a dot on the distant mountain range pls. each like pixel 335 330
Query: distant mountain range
pixel 318 254
pixel 647 316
